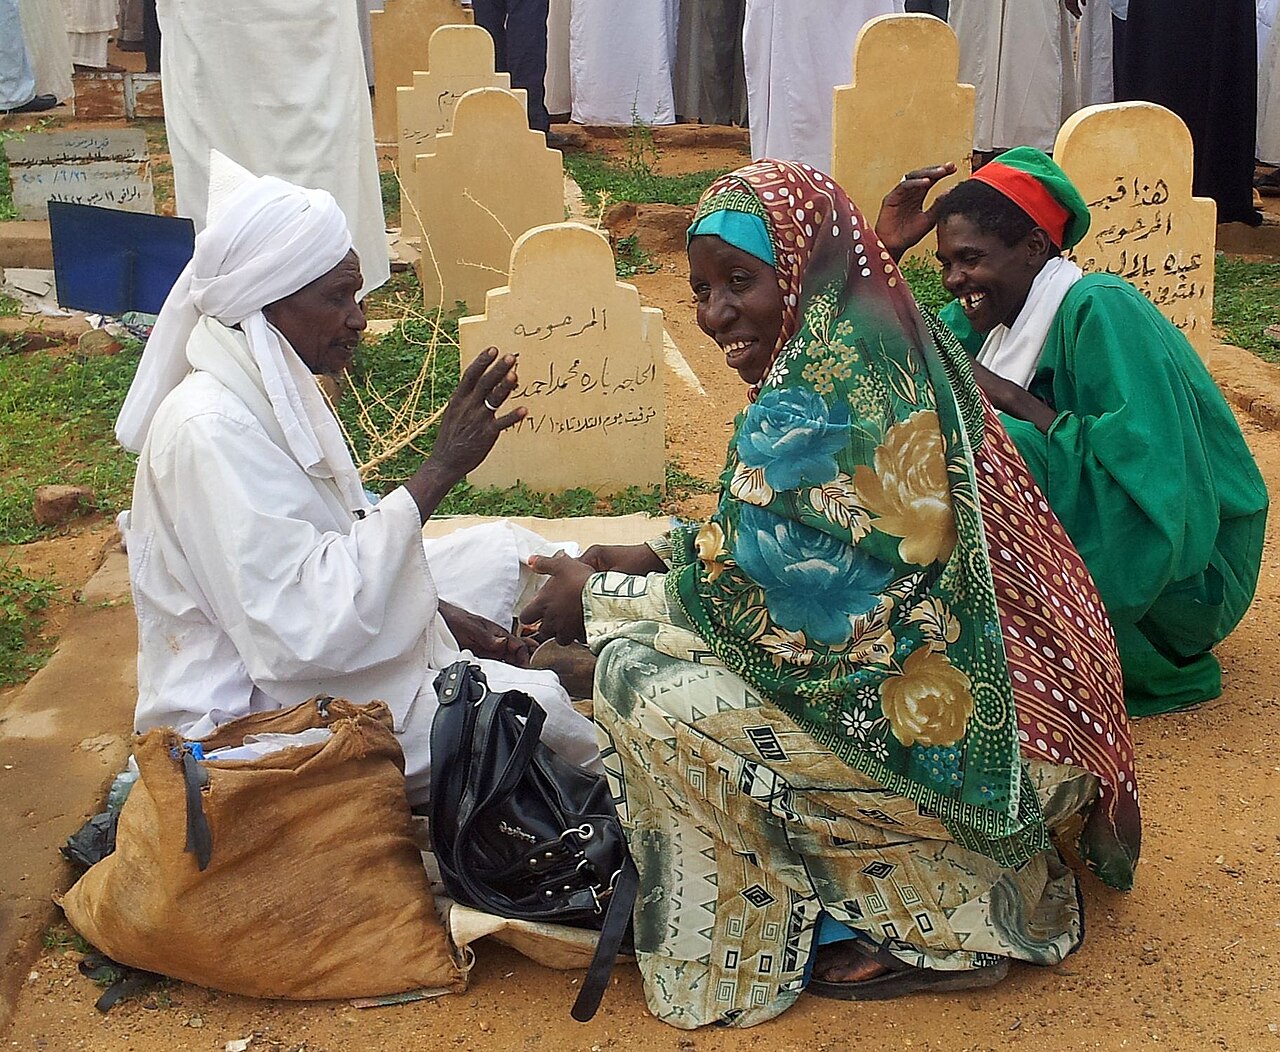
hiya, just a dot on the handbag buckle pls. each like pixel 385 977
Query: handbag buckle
pixel 583 832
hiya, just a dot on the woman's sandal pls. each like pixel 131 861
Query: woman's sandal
pixel 902 979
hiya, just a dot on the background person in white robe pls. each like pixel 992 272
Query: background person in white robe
pixel 45 28
pixel 280 87
pixel 795 56
pixel 262 575
pixel 622 57
pixel 1269 93
pixel 89 27
pixel 1018 55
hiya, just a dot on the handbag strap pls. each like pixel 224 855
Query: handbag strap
pixel 617 919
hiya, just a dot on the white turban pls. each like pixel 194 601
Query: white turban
pixel 265 240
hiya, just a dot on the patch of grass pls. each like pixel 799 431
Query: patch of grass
pixel 629 259
pixel 395 297
pixel 23 600
pixel 603 180
pixel 926 284
pixel 60 937
pixel 390 198
pixel 9 307
pixel 56 417
pixel 1246 299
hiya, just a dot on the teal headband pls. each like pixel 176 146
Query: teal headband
pixel 742 230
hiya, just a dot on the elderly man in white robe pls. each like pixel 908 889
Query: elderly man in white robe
pixel 262 573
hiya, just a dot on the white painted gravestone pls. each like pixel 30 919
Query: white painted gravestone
pixel 485 184
pixel 590 368
pixel 1132 162
pixel 401 33
pixel 459 59
pixel 108 167
pixel 904 110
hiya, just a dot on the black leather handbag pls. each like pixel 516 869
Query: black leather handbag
pixel 520 832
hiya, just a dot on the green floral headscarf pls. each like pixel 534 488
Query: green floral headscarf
pixel 845 572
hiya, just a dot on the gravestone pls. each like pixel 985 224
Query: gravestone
pixel 589 367
pixel 1132 161
pixel 459 58
pixel 904 110
pixel 108 167
pixel 401 34
pixel 485 184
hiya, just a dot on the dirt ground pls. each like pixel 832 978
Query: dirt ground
pixel 1187 961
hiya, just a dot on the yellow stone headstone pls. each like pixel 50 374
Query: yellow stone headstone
pixel 459 58
pixel 486 183
pixel 1132 161
pixel 904 110
pixel 401 33
pixel 590 368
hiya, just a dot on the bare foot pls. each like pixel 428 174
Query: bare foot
pixel 843 962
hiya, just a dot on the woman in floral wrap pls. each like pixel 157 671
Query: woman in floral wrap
pixel 849 709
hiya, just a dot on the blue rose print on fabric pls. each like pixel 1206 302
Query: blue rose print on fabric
pixel 813 583
pixel 941 766
pixel 794 437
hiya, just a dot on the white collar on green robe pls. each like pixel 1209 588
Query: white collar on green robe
pixel 1014 352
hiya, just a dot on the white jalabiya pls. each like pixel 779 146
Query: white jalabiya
pixel 89 26
pixel 1095 56
pixel 280 86
pixel 261 575
pixel 1014 352
pixel 1269 81
pixel 45 28
pixel 795 55
pixel 17 81
pixel 1018 55
pixel 559 96
pixel 622 60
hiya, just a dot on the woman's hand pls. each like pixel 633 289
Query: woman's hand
pixel 903 220
pixel 469 427
pixel 485 638
pixel 557 608
pixel 1009 398
pixel 637 559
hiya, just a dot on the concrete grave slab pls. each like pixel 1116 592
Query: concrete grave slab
pixel 486 183
pixel 459 58
pixel 401 34
pixel 1132 162
pixel 904 110
pixel 590 368
pixel 108 167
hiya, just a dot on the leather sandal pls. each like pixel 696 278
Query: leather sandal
pixel 901 979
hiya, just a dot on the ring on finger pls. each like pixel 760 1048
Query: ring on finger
pixel 490 407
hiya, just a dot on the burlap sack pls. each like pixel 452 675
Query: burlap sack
pixel 314 887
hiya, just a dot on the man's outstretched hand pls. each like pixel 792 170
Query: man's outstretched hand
pixel 903 220
pixel 469 426
pixel 557 608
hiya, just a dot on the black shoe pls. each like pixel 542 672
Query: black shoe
pixel 40 102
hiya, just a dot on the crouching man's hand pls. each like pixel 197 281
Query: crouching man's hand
pixel 557 608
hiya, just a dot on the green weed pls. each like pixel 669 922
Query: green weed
pixel 602 180
pixel 23 600
pixel 60 938
pixel 925 281
pixel 1246 299
pixel 390 198
pixel 629 259
pixel 56 416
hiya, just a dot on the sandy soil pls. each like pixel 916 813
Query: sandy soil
pixel 1187 961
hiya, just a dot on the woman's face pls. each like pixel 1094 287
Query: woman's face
pixel 739 303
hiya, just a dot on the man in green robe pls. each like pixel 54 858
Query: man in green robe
pixel 1114 412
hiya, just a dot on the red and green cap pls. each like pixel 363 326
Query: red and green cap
pixel 1030 179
